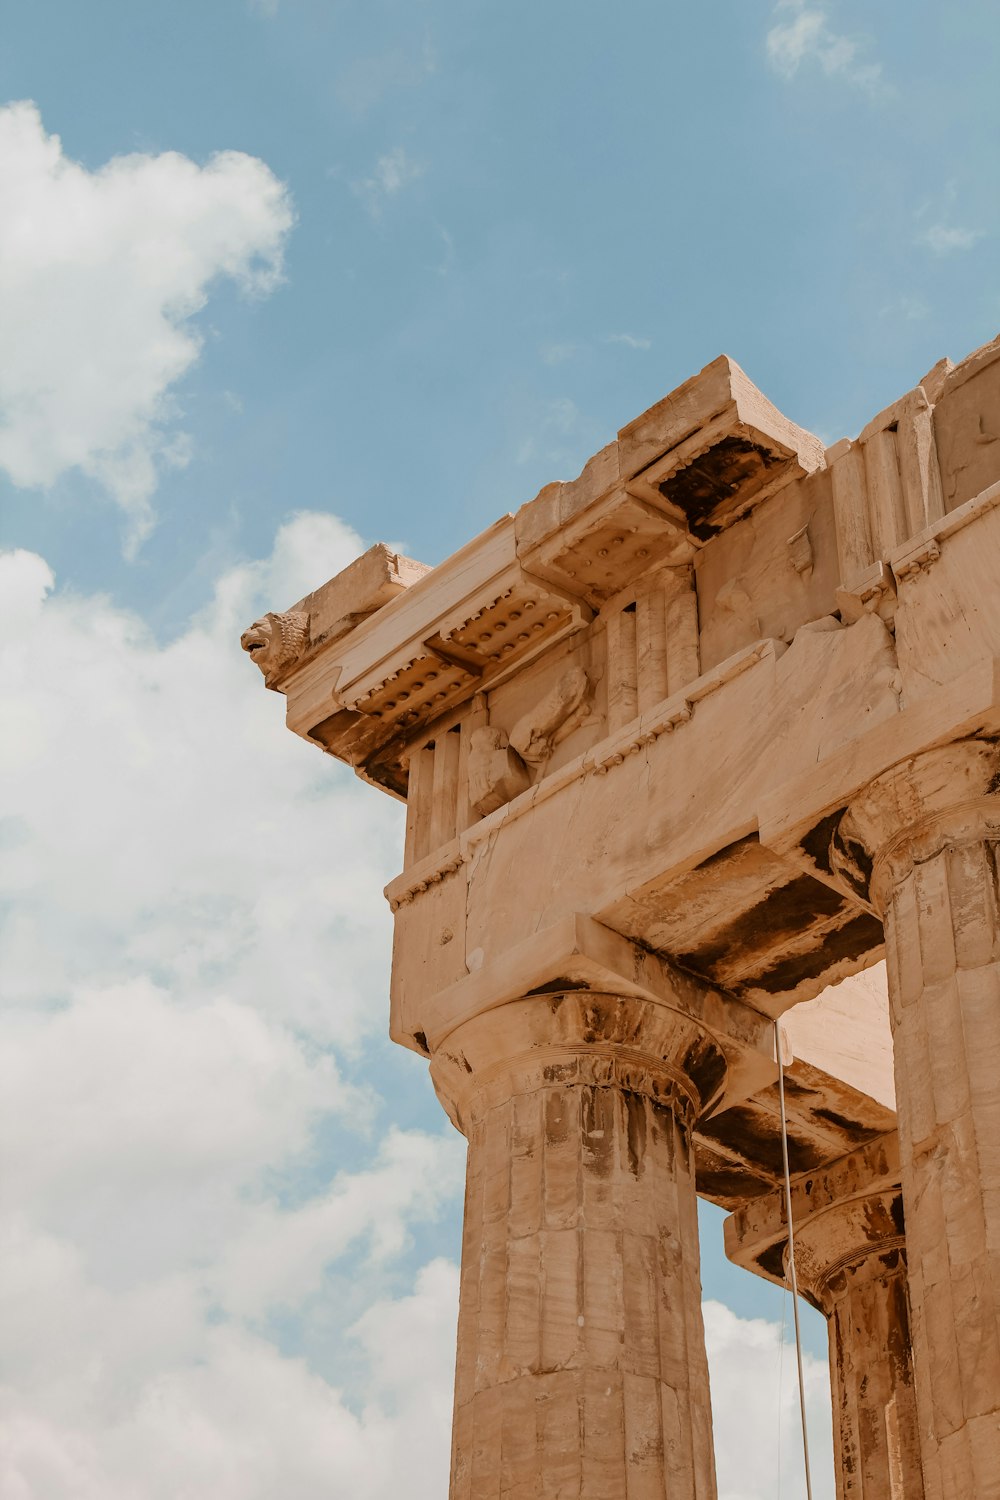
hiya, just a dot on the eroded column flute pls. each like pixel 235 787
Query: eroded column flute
pixel 850 1256
pixel 581 1355
pixel 852 1264
pixel 932 827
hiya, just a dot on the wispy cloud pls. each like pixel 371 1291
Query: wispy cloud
pixel 392 172
pixel 909 309
pixel 629 340
pixel 806 37
pixel 562 414
pixel 557 423
pixel 365 82
pixel 448 252
pixel 558 354
pixel 945 239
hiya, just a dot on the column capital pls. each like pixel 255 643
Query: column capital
pixel 579 1037
pixel 947 796
pixel 845 1213
pixel 860 1239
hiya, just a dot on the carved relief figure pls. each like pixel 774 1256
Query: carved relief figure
pixel 501 767
pixel 496 772
pixel 275 641
pixel 801 552
pixel 564 708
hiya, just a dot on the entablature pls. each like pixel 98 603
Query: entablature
pixel 654 687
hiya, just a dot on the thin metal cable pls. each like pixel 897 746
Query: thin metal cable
pixel 781 1382
pixel 791 1257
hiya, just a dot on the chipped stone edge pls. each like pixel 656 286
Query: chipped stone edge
pixel 923 549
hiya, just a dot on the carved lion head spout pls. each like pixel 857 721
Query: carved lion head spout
pixel 275 641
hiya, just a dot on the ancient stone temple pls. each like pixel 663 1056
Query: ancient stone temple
pixel 684 743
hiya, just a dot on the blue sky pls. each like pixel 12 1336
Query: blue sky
pixel 459 246
pixel 519 225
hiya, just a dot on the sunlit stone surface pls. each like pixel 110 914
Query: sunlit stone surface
pixel 684 743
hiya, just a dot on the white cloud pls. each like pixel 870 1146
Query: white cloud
pixel 195 834
pixel 279 1257
pixel 410 1346
pixel 186 1162
pixel 185 1092
pixel 945 239
pixel 630 341
pixel 755 1404
pixel 808 37
pixel 189 1172
pixel 101 276
pixel 392 172
pixel 137 1399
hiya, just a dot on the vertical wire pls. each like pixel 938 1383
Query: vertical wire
pixel 791 1258
pixel 781 1372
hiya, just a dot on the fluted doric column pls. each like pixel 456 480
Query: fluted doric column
pixel 581 1356
pixel 851 1262
pixel 850 1257
pixel 930 828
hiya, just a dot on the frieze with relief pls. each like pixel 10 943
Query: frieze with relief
pixel 501 766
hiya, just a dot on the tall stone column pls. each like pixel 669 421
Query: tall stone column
pixel 851 1262
pixel 850 1258
pixel 581 1356
pixel 931 826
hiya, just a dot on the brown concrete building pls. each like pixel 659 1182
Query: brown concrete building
pixel 684 743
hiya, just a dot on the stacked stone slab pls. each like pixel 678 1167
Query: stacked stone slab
pixel 687 745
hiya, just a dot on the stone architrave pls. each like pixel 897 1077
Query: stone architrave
pixel 931 826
